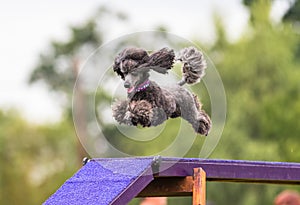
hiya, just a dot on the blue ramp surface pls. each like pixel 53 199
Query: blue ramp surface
pixel 114 181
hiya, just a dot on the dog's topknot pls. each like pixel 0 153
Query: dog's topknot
pixel 129 59
pixel 194 65
pixel 136 58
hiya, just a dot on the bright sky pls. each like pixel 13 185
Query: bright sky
pixel 26 27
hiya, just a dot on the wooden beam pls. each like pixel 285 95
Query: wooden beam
pixel 169 186
pixel 199 188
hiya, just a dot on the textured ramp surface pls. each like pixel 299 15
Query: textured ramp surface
pixel 109 181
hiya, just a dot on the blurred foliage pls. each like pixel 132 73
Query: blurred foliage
pixel 59 67
pixel 293 13
pixel 261 76
pixel 35 159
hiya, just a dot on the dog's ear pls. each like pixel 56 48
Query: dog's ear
pixel 161 61
pixel 117 69
pixel 117 66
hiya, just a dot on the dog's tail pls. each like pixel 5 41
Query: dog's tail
pixel 194 65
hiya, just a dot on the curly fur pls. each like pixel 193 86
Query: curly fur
pixel 151 105
pixel 141 112
pixel 194 65
pixel 136 58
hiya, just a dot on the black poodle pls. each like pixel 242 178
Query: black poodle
pixel 148 104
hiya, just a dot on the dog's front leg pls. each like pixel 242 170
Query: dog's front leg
pixel 121 113
pixel 141 113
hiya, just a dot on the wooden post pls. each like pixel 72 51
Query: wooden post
pixel 199 188
pixel 168 186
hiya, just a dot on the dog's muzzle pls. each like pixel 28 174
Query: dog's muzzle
pixel 126 84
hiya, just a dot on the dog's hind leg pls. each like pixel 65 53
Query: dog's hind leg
pixel 203 124
pixel 190 110
pixel 199 120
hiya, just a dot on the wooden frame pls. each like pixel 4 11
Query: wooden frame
pixel 194 186
pixel 184 177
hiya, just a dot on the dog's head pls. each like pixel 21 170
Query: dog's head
pixel 133 65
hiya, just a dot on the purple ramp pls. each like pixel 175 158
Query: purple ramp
pixel 105 181
pixel 233 170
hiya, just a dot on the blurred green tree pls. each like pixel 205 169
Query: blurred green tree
pixel 292 16
pixel 35 159
pixel 260 73
pixel 59 68
pixel 293 13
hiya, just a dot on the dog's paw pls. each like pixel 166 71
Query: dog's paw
pixel 119 109
pixel 127 116
pixel 204 127
pixel 120 112
pixel 204 124
pixel 141 113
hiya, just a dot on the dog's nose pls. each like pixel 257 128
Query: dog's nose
pixel 127 84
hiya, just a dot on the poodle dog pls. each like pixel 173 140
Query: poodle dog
pixel 147 103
